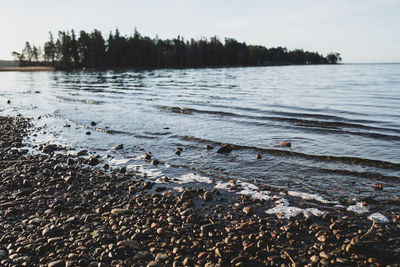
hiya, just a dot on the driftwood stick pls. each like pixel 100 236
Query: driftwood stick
pixel 291 259
pixel 370 230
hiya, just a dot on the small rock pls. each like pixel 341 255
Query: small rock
pixel 207 196
pixel 93 161
pixel 207 227
pixel 314 258
pixel 208 147
pixel 118 147
pixel 160 189
pixel 155 162
pixel 120 211
pixel 324 255
pixel 258 156
pixel 8 102
pixel 129 243
pixel 154 264
pixel 59 263
pixel 285 144
pixel 161 256
pixel 378 186
pixel 93 123
pixel 322 238
pixel 49 149
pixel 146 156
pixel 246 210
pixel 82 153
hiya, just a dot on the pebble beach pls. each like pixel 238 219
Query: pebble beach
pixel 59 209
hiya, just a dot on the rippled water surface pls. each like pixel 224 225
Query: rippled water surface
pixel 343 123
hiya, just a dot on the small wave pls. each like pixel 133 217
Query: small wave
pixel 279 152
pixel 337 126
pixel 97 129
pixel 85 101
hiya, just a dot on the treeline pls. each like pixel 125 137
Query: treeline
pixel 91 50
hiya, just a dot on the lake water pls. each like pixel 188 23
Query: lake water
pixel 343 122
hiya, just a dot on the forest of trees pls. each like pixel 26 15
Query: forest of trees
pixel 90 50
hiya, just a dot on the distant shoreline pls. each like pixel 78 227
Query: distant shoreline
pixel 31 68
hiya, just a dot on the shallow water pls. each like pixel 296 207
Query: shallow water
pixel 343 122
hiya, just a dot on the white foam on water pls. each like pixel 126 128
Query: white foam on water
pixel 192 177
pixel 246 185
pixel 122 161
pixel 255 194
pixel 286 212
pixel 379 218
pixel 309 196
pixel 358 208
pixel 314 211
pixel 283 210
pixel 221 185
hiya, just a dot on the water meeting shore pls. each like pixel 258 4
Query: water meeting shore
pixel 63 209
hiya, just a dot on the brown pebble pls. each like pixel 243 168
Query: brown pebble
pixel 378 186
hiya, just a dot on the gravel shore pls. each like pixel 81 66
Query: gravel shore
pixel 59 210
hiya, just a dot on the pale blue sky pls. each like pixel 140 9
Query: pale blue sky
pixel 361 30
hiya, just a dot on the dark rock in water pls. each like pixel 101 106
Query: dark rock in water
pixel 225 149
pixel 178 152
pixel 49 149
pixel 92 161
pixel 67 125
pixel 118 147
pixel 106 166
pixel 8 102
pixel 208 147
pixel 207 196
pixel 70 162
pixel 285 144
pixel 82 153
pixel 148 185
pixel 258 156
pixel 88 133
pixel 146 156
pixel 155 162
pixel 160 189
pixel 93 123
pixel 378 186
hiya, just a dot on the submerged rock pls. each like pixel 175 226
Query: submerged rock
pixel 209 147
pixel 225 149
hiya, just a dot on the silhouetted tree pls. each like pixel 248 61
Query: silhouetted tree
pixel 333 58
pixel 90 50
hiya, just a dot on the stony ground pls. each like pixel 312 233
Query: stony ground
pixel 58 210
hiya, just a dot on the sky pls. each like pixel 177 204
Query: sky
pixel 363 31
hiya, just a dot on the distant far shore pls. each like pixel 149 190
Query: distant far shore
pixel 30 68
